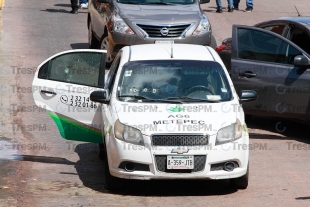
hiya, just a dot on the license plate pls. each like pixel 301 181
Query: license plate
pixel 164 42
pixel 180 162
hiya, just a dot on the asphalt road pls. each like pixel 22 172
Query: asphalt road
pixel 39 168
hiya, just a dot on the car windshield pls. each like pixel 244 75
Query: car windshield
pixel 174 81
pixel 156 2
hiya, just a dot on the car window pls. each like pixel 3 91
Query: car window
pixel 261 46
pixel 112 72
pixel 78 67
pixel 279 29
pixel 300 38
pixel 162 79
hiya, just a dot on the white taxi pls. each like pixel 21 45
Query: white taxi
pixel 163 111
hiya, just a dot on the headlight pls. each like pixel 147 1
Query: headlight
pixel 127 133
pixel 203 27
pixel 229 133
pixel 120 26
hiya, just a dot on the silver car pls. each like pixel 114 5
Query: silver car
pixel 113 24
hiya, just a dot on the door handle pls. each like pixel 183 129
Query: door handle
pixel 248 74
pixel 48 92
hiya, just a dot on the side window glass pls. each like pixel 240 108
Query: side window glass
pixel 301 38
pixel 279 29
pixel 43 71
pixel 260 46
pixel 79 68
pixel 112 73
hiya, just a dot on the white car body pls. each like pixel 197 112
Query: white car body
pixel 91 124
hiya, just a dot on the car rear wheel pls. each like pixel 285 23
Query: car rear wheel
pixel 241 182
pixel 92 41
pixel 213 42
pixel 109 182
pixel 105 45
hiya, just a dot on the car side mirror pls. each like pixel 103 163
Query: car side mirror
pixel 248 96
pixel 99 97
pixel 301 61
pixel 204 1
pixel 104 1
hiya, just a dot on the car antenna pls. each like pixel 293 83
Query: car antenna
pixel 297 11
pixel 171 49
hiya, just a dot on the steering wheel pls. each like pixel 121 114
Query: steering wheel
pixel 199 88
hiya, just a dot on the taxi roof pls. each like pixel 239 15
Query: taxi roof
pixel 163 52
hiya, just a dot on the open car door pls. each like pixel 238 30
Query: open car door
pixel 62 85
pixel 271 65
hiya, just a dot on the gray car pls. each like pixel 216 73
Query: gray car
pixel 272 58
pixel 113 24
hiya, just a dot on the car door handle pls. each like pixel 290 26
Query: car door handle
pixel 48 92
pixel 248 74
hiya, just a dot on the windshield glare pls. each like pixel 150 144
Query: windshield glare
pixel 156 1
pixel 185 80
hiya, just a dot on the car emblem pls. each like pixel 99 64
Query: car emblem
pixel 164 31
pixel 179 151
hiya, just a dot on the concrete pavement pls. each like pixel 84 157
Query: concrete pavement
pixel 50 171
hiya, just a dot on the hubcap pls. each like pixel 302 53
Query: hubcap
pixel 105 45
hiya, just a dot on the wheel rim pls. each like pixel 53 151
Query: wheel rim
pixel 105 45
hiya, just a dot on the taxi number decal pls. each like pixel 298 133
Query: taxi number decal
pixel 77 101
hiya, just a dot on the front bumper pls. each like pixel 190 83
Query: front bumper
pixel 119 40
pixel 119 151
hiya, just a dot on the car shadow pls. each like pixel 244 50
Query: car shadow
pixel 63 5
pixel 63 11
pixel 90 170
pixel 282 129
pixel 79 46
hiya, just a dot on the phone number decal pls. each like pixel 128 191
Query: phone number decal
pixel 77 101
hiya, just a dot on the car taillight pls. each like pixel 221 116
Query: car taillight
pixel 220 48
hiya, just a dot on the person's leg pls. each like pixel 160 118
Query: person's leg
pixel 219 6
pixel 249 4
pixel 236 4
pixel 83 1
pixel 74 6
pixel 230 5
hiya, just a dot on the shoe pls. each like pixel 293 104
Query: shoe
pixel 84 6
pixel 74 11
pixel 230 9
pixel 219 10
pixel 236 8
pixel 248 9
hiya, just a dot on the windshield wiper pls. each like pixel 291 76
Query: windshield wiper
pixel 149 99
pixel 189 98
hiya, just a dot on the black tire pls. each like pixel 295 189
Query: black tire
pixel 101 151
pixel 109 182
pixel 104 45
pixel 213 42
pixel 241 182
pixel 248 118
pixel 92 40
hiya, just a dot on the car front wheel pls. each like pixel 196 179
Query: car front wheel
pixel 105 45
pixel 92 41
pixel 109 182
pixel 241 182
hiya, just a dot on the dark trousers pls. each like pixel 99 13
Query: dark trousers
pixel 75 4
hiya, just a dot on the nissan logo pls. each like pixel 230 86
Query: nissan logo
pixel 164 31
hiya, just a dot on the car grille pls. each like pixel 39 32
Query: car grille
pixel 172 31
pixel 179 140
pixel 199 164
